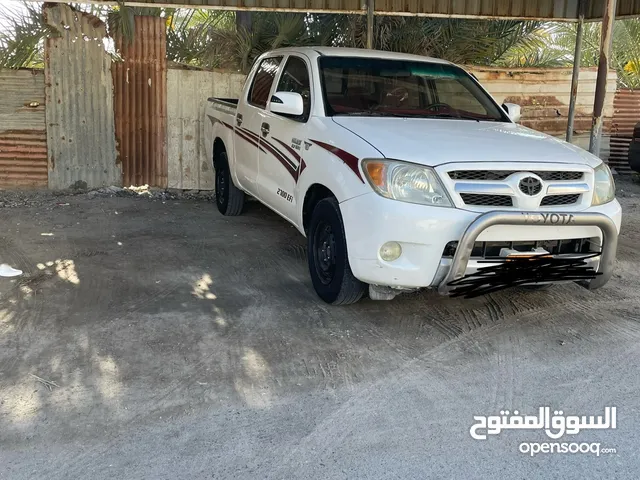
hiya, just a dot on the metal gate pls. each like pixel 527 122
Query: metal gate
pixel 140 82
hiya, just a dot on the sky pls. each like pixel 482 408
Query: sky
pixel 5 6
pixel 8 5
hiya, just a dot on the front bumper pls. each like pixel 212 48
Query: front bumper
pixel 459 264
pixel 371 220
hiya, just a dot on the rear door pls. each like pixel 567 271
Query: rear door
pixel 248 120
pixel 282 138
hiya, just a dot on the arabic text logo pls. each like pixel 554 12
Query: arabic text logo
pixel 555 426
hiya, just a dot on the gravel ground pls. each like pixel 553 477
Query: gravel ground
pixel 150 337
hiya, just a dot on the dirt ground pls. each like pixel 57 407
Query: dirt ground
pixel 183 344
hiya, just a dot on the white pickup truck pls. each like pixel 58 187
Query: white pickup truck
pixel 404 173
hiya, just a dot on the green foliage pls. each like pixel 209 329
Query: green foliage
pixel 198 37
pixel 22 44
pixel 625 55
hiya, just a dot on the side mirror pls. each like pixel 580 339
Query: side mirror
pixel 513 110
pixel 287 103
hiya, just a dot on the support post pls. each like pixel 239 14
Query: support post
pixel 370 22
pixel 576 69
pixel 603 70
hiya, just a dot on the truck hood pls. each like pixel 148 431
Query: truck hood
pixel 437 141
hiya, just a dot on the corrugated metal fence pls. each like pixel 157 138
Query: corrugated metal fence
pixel 626 115
pixel 160 115
pixel 23 139
pixel 79 102
pixel 141 104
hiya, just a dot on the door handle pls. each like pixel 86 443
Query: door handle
pixel 239 119
pixel 265 129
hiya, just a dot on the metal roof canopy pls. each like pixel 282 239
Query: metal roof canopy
pixel 559 10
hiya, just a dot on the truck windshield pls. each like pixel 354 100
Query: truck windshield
pixel 398 88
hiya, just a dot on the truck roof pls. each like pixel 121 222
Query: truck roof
pixel 357 52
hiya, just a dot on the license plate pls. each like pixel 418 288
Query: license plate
pixel 514 255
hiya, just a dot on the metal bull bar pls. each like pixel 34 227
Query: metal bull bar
pixel 489 219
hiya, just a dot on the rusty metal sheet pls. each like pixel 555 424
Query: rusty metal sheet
pixel 23 141
pixel 79 102
pixel 626 114
pixel 141 104
pixel 23 159
pixel 517 9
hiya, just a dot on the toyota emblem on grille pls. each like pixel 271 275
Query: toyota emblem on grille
pixel 530 186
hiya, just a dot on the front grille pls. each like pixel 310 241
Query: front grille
pixel 487 200
pixel 502 174
pixel 551 200
pixel 555 247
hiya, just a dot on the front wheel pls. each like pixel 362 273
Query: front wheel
pixel 229 198
pixel 329 266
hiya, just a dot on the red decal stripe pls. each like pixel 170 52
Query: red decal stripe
pixel 289 149
pixel 283 160
pixel 250 140
pixel 250 133
pixel 288 164
pixel 346 157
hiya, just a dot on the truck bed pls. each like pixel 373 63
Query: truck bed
pixel 223 109
pixel 225 101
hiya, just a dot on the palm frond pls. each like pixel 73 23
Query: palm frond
pixel 22 43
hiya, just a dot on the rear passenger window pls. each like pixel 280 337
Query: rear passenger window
pixel 261 86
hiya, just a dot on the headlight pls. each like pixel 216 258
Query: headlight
pixel 604 188
pixel 406 182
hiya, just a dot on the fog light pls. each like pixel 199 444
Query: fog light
pixel 390 251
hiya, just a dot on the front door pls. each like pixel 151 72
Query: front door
pixel 247 124
pixel 282 138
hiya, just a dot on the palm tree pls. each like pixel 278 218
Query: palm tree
pixel 625 55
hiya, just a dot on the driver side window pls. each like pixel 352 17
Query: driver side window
pixel 295 78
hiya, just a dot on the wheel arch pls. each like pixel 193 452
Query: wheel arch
pixel 218 148
pixel 313 195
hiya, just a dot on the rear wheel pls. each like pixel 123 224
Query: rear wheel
pixel 229 198
pixel 329 266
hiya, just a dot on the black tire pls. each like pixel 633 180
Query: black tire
pixel 329 266
pixel 229 198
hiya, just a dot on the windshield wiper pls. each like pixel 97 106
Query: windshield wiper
pixel 382 113
pixel 461 117
pixel 371 113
